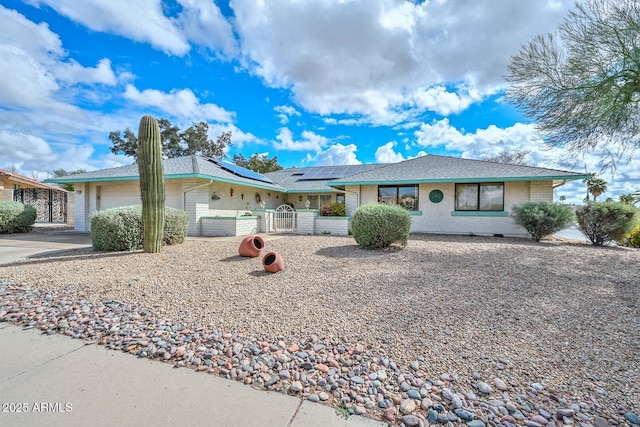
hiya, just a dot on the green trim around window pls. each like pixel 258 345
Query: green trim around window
pixel 479 213
pixel 415 213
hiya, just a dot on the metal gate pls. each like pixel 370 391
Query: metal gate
pixel 284 219
pixel 50 205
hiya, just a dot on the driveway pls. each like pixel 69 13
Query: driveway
pixel 15 247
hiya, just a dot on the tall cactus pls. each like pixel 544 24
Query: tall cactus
pixel 151 183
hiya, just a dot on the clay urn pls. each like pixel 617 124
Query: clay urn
pixel 251 246
pixel 273 262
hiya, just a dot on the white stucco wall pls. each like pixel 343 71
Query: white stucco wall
pixel 92 196
pixel 438 217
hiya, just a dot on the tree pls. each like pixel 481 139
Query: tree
pixel 581 86
pixel 595 187
pixel 518 157
pixel 628 199
pixel 563 199
pixel 194 140
pixel 61 172
pixel 258 162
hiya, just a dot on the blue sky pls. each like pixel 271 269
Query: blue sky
pixel 313 82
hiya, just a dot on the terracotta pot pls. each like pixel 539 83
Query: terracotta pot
pixel 251 246
pixel 273 262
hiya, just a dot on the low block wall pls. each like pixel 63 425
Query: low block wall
pixel 337 225
pixel 229 226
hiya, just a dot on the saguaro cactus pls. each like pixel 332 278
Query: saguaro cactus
pixel 151 183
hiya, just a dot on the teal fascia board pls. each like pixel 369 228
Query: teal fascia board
pixel 462 180
pixel 479 213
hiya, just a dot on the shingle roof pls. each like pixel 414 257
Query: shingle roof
pixel 432 168
pixel 178 167
pixel 296 179
pixel 428 168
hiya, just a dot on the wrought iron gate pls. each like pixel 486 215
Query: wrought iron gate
pixel 285 219
pixel 50 205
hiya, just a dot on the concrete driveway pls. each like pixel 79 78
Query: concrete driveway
pixel 16 247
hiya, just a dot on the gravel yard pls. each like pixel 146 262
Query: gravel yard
pixel 449 311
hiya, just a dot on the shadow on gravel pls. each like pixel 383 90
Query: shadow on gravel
pixel 353 251
pixel 235 258
pixel 67 255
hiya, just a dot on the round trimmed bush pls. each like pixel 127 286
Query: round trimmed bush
pixel 542 218
pixel 120 229
pixel 605 222
pixel 378 226
pixel 16 217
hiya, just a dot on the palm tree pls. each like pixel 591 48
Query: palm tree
pixel 595 186
pixel 563 199
pixel 628 199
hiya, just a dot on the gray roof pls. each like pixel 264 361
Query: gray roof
pixel 431 168
pixel 178 167
pixel 296 180
pixel 428 168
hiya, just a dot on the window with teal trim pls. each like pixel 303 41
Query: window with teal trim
pixel 480 197
pixel 403 195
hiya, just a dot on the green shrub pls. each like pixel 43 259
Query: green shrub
pixel 335 209
pixel 176 225
pixel 542 218
pixel 604 222
pixel 378 226
pixel 16 217
pixel 120 229
pixel 632 239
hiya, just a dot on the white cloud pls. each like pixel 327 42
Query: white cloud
pixel 284 112
pixel 380 58
pixel 203 23
pixel 73 72
pixel 19 147
pixel 386 154
pixel 239 138
pixel 182 103
pixel 487 142
pixel 35 69
pixel 140 20
pixel 336 154
pixel 438 99
pixel 310 141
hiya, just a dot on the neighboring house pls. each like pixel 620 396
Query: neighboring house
pixel 443 194
pixel 49 201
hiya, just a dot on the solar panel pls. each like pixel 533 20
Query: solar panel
pixel 334 172
pixel 240 171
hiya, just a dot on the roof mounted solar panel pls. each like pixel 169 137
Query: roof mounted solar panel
pixel 334 172
pixel 240 171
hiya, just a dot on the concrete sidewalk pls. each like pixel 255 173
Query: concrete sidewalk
pixel 59 381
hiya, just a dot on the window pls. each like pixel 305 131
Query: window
pixel 403 195
pixel 325 200
pixel 480 197
pixel 313 202
pixel 340 198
